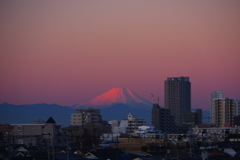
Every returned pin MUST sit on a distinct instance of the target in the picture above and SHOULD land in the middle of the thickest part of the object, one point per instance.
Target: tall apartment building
(225, 109)
(213, 96)
(238, 107)
(177, 97)
(83, 116)
(162, 119)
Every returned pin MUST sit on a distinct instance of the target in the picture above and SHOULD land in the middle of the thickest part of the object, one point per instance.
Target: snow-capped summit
(118, 96)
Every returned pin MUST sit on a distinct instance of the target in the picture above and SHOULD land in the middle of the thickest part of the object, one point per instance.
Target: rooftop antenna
(154, 101)
(158, 100)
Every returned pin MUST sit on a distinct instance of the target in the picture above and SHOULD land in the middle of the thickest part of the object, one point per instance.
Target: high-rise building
(225, 109)
(238, 107)
(214, 95)
(177, 97)
(162, 119)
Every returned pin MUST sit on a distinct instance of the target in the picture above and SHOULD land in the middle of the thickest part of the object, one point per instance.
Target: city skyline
(70, 52)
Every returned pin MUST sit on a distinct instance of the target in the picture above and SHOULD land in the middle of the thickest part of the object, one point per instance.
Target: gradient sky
(68, 52)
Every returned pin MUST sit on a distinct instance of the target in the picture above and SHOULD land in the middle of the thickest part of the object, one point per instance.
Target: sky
(68, 52)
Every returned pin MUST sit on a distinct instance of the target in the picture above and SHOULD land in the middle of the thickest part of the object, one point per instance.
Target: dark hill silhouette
(15, 114)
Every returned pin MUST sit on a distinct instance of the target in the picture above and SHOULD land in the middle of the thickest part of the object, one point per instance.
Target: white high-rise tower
(214, 95)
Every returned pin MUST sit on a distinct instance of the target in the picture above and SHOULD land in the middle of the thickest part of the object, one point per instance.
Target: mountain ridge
(114, 104)
(16, 114)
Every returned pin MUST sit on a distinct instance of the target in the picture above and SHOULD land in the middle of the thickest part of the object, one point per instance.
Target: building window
(20, 141)
(19, 128)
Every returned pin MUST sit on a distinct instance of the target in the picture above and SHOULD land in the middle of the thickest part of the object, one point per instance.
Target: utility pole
(237, 134)
(81, 141)
(68, 136)
(117, 145)
(12, 145)
(165, 144)
(53, 152)
(31, 144)
(67, 148)
(49, 146)
(8, 140)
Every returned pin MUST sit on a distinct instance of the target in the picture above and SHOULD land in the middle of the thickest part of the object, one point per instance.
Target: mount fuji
(118, 96)
(116, 103)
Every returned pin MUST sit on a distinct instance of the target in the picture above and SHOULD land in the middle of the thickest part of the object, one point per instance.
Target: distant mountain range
(16, 114)
(115, 104)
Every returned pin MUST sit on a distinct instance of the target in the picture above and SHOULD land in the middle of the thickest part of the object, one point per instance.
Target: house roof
(90, 156)
(50, 120)
(22, 149)
(104, 153)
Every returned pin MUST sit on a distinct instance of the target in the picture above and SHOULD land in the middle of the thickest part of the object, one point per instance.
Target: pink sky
(68, 52)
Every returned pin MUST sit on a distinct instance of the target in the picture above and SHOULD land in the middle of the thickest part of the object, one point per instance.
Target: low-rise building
(134, 123)
(35, 133)
(129, 125)
(215, 134)
(5, 128)
(82, 136)
(83, 116)
(193, 117)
